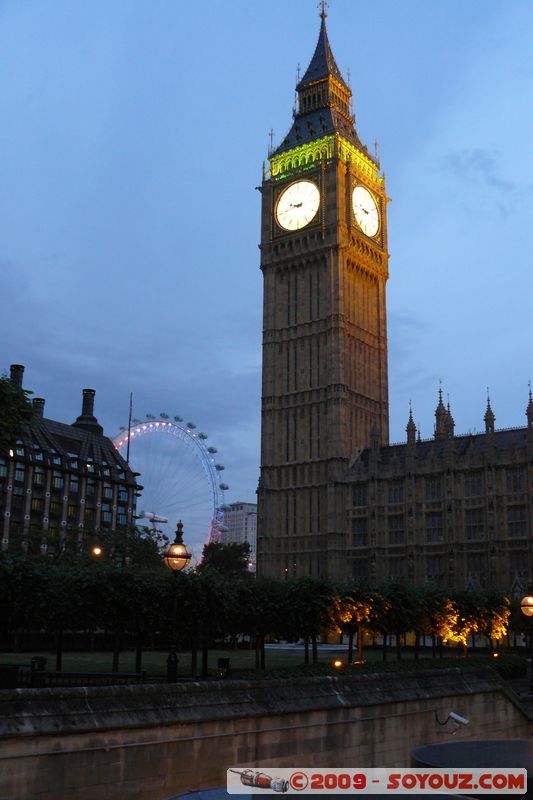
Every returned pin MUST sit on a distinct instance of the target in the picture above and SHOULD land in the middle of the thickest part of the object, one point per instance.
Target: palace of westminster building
(334, 498)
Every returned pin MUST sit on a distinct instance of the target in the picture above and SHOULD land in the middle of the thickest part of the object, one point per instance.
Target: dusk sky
(132, 136)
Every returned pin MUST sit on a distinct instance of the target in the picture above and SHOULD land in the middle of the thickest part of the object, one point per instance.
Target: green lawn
(154, 662)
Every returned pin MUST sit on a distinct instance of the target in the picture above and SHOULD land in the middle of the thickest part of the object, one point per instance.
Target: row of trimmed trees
(88, 596)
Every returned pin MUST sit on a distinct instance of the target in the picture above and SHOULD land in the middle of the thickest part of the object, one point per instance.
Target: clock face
(365, 211)
(297, 205)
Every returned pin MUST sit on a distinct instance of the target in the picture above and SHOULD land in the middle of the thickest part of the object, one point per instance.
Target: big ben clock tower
(325, 265)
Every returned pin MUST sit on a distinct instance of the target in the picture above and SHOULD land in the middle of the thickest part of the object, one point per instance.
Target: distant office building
(60, 482)
(240, 519)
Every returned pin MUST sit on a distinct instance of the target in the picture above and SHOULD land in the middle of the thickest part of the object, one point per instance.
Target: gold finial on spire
(323, 6)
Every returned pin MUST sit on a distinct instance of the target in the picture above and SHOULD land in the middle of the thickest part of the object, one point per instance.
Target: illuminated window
(19, 472)
(38, 476)
(37, 504)
(108, 491)
(57, 480)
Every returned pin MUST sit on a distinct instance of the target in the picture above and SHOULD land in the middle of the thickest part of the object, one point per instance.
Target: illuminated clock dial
(297, 205)
(365, 211)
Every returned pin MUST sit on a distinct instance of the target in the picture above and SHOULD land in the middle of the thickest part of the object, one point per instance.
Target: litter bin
(38, 663)
(37, 666)
(223, 667)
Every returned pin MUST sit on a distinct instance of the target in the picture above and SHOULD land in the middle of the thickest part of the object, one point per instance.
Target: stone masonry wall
(150, 742)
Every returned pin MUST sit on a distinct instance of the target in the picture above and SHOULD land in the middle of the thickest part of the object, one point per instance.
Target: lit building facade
(60, 482)
(334, 498)
(240, 521)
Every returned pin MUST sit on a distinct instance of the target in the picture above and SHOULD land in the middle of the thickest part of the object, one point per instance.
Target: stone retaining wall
(149, 742)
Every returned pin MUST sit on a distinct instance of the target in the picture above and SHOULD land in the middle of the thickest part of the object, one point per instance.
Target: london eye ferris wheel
(180, 475)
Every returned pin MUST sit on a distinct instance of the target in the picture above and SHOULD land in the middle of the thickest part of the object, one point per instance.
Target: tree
(227, 559)
(467, 604)
(399, 613)
(493, 617)
(438, 615)
(15, 412)
(310, 605)
(357, 604)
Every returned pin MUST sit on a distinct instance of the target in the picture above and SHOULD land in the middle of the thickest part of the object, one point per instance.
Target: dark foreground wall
(152, 741)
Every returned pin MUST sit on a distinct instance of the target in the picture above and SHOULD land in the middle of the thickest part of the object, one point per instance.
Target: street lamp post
(526, 607)
(176, 557)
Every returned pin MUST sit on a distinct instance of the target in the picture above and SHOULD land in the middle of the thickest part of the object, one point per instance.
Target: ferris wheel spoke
(178, 477)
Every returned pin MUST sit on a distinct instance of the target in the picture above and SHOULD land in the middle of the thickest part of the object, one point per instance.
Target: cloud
(479, 165)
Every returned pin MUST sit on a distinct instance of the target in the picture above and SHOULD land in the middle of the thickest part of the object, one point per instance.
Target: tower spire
(324, 99)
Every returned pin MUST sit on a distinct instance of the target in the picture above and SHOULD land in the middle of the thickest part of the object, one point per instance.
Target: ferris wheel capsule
(191, 425)
(202, 436)
(163, 415)
(178, 419)
(212, 450)
(219, 467)
(224, 487)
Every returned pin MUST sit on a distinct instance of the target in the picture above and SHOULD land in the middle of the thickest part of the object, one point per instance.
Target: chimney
(87, 409)
(38, 406)
(87, 420)
(16, 375)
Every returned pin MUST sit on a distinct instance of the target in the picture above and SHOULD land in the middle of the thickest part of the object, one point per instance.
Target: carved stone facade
(454, 511)
(438, 511)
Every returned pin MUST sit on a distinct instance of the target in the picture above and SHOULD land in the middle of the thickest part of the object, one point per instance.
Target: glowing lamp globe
(526, 606)
(176, 555)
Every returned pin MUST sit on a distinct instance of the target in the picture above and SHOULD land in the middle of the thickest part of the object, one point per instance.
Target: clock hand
(296, 205)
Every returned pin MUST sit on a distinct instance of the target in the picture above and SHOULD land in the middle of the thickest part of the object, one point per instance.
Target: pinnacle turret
(441, 419)
(411, 427)
(489, 417)
(529, 409)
